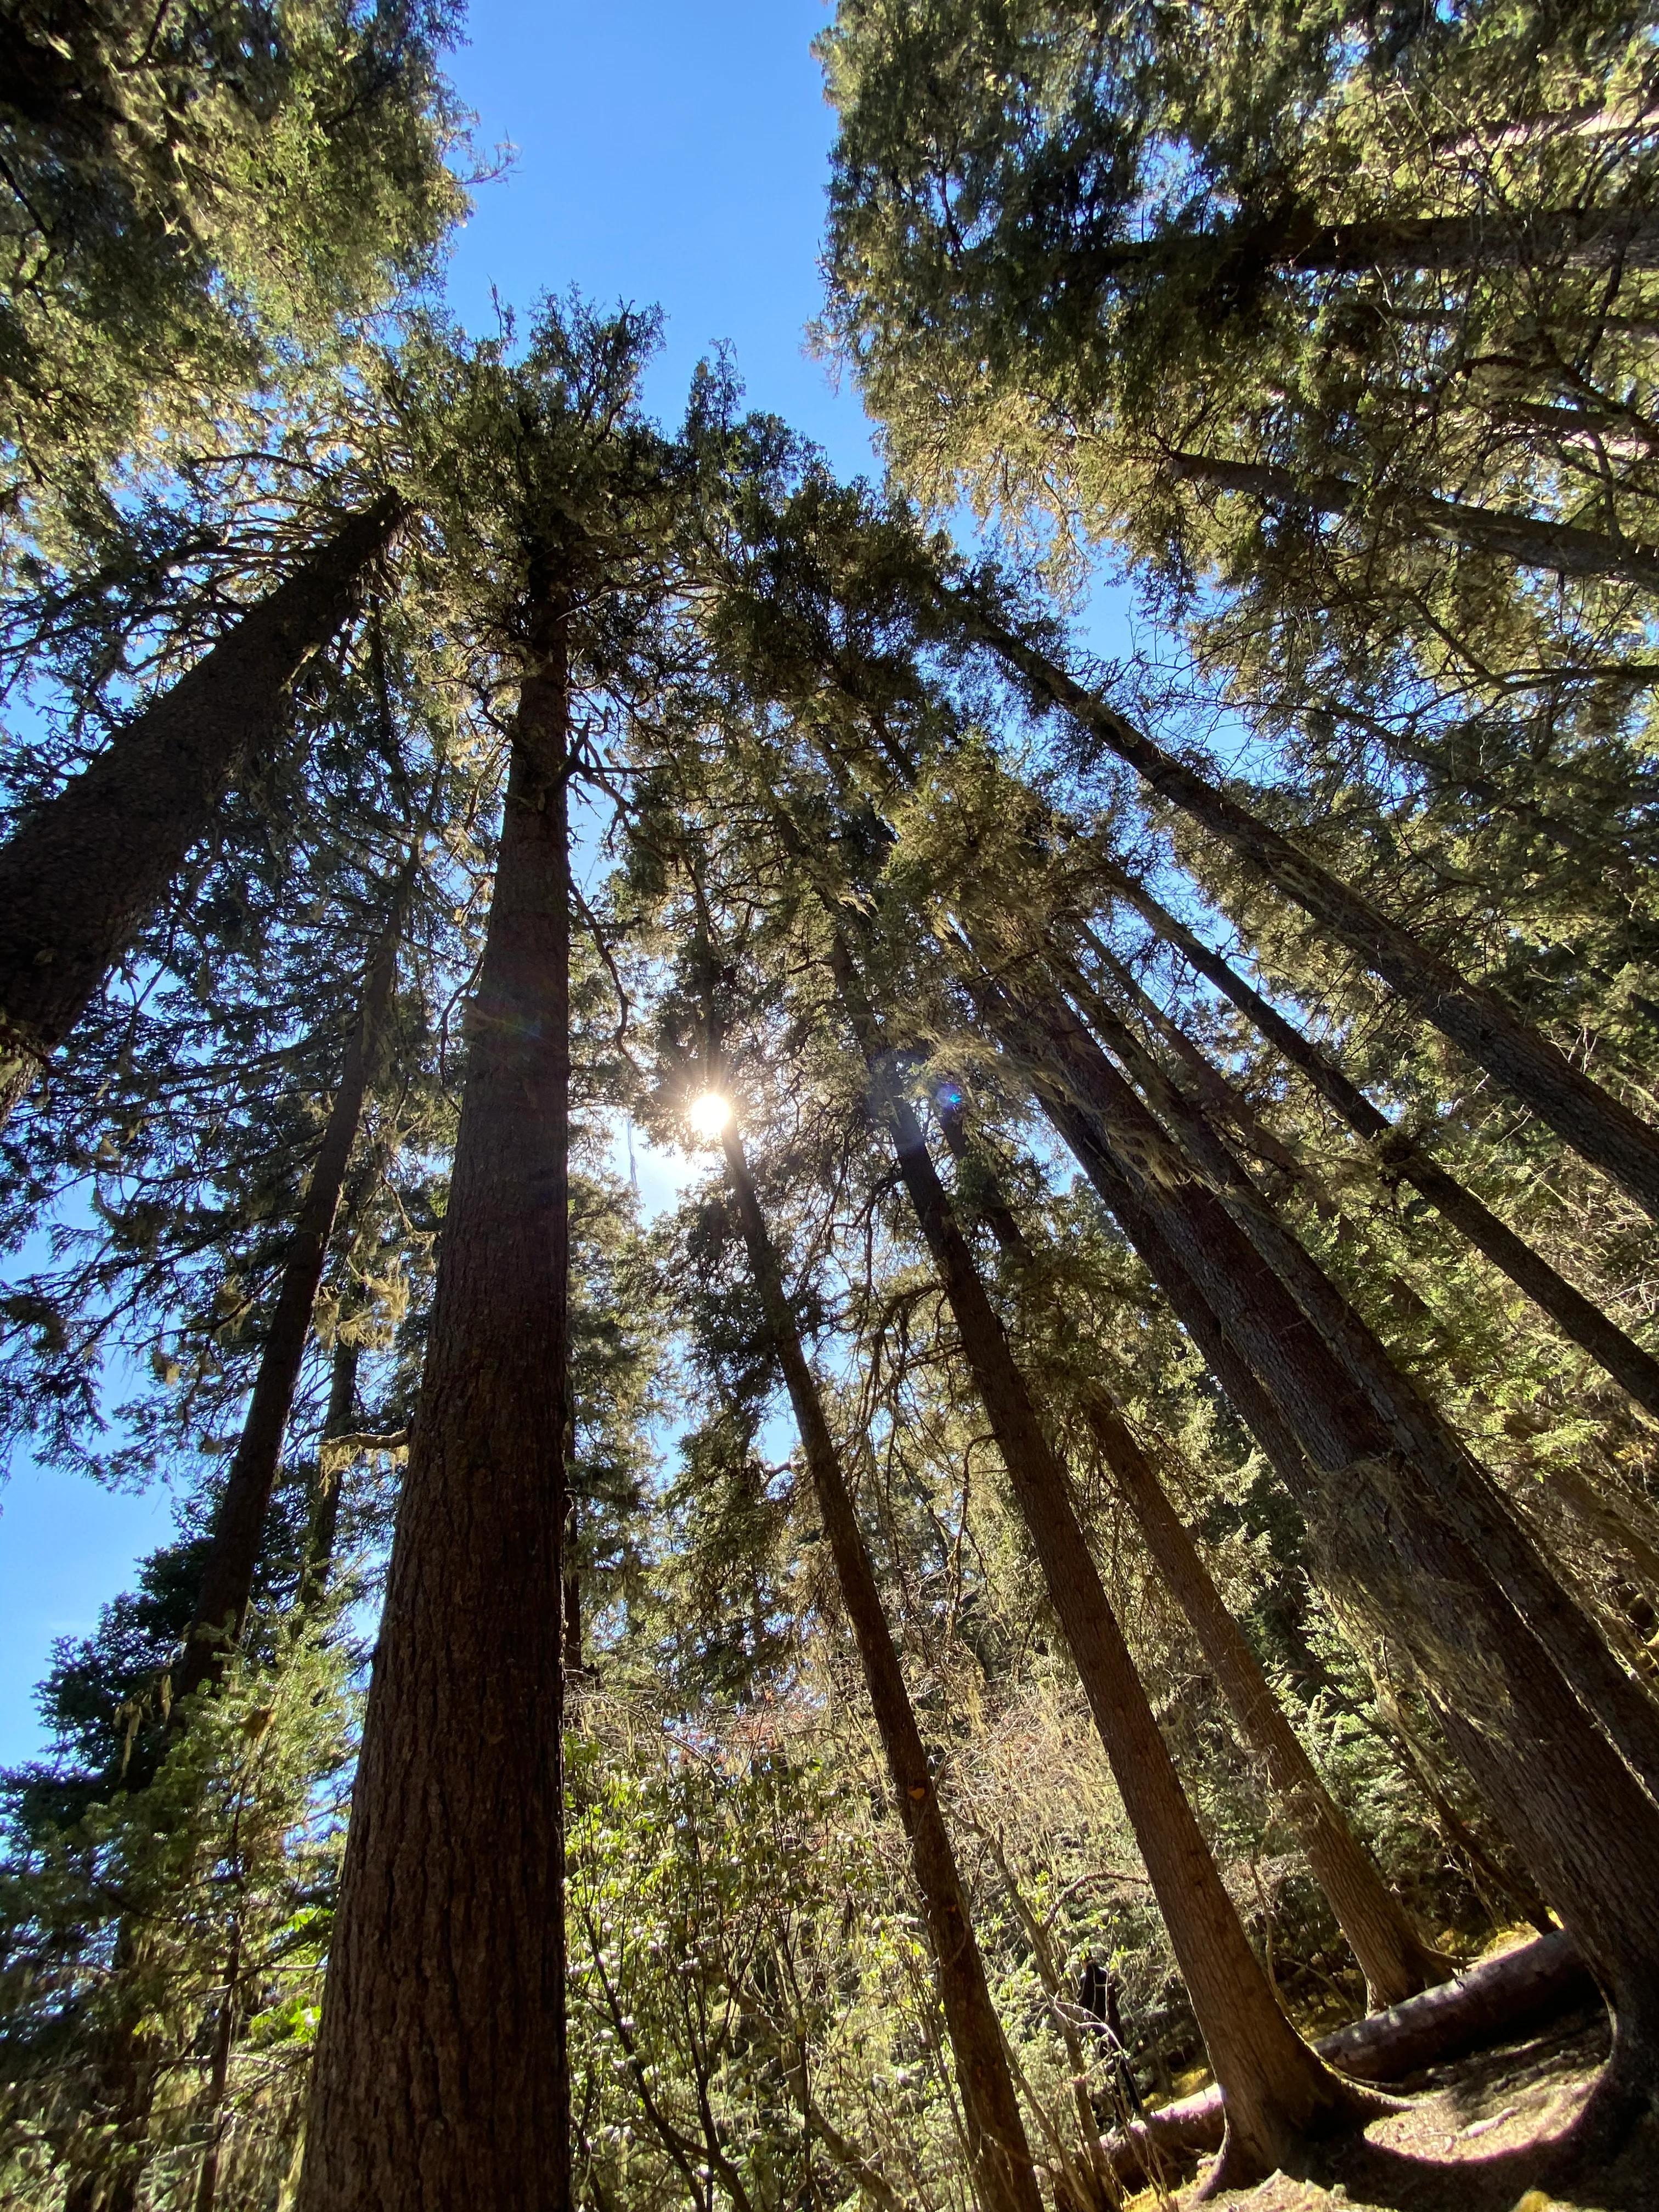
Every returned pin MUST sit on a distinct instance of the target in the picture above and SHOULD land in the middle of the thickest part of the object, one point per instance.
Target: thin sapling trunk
(238, 1525)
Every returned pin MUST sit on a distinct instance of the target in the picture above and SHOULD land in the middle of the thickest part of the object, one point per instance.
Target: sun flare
(709, 1114)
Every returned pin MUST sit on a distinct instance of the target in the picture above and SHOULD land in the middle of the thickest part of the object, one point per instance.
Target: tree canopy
(1092, 1516)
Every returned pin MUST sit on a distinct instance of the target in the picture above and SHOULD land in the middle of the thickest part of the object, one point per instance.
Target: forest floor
(1473, 2136)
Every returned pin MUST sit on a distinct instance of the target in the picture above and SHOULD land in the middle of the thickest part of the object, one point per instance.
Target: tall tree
(1550, 1774)
(441, 2065)
(1474, 1018)
(1395, 1959)
(187, 196)
(84, 870)
(1403, 1157)
(240, 1523)
(1000, 2155)
(1279, 2095)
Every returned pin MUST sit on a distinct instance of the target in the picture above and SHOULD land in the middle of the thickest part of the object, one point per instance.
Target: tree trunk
(224, 2035)
(323, 1521)
(1580, 1112)
(1423, 1570)
(1221, 1096)
(573, 1626)
(1565, 238)
(1412, 1425)
(1278, 2094)
(1567, 1802)
(1396, 1960)
(84, 872)
(997, 2146)
(442, 2076)
(1296, 243)
(1563, 548)
(239, 1526)
(1492, 2002)
(128, 2063)
(1574, 1314)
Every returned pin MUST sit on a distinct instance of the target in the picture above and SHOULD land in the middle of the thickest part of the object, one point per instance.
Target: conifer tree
(998, 2152)
(188, 198)
(1393, 1955)
(441, 2065)
(1278, 2096)
(85, 869)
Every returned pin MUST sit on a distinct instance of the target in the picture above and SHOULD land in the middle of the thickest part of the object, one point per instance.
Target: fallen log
(1501, 1997)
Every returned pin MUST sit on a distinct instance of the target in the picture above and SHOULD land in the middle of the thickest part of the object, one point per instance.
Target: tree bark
(81, 874)
(997, 2146)
(1419, 1568)
(1279, 2095)
(1525, 1987)
(239, 1526)
(323, 1521)
(1297, 244)
(1580, 1112)
(1399, 1156)
(1220, 1095)
(442, 2076)
(1567, 237)
(1411, 1423)
(224, 2035)
(1393, 1956)
(1563, 548)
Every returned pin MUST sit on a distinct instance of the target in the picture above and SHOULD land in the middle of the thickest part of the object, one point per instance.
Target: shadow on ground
(1481, 2134)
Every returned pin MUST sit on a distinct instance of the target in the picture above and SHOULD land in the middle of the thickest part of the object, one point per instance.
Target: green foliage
(1074, 253)
(133, 1927)
(191, 193)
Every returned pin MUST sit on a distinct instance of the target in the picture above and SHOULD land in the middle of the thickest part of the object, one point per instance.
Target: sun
(709, 1114)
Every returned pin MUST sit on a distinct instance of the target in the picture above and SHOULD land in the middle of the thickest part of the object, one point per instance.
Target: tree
(84, 871)
(239, 1522)
(1278, 2094)
(190, 196)
(1393, 1955)
(446, 1974)
(998, 2149)
(220, 1864)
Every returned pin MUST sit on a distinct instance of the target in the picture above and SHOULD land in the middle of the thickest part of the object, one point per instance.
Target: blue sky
(666, 153)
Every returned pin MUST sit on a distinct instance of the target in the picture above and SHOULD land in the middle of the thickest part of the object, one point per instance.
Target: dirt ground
(1472, 2136)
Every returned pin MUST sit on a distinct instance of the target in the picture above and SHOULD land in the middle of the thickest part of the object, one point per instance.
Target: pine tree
(188, 197)
(446, 1974)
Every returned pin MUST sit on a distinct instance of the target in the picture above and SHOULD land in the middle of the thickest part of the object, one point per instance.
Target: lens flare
(708, 1115)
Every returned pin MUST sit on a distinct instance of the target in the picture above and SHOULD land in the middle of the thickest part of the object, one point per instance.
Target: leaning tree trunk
(997, 2143)
(84, 872)
(1393, 1956)
(1278, 2094)
(1220, 1094)
(1399, 1156)
(1296, 243)
(238, 1525)
(442, 2076)
(1413, 1425)
(322, 1522)
(1544, 237)
(1414, 1565)
(1563, 548)
(1580, 1112)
